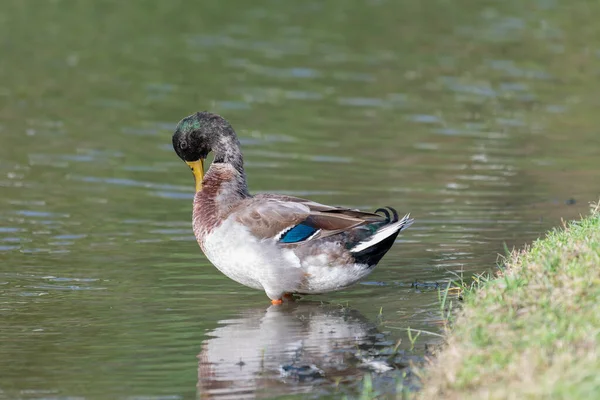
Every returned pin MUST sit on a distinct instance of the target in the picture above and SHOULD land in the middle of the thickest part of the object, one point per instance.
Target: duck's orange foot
(277, 302)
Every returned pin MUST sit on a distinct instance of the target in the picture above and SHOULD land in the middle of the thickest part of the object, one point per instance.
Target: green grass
(534, 330)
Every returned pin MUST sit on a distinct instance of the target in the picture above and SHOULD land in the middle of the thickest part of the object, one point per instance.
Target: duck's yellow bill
(198, 171)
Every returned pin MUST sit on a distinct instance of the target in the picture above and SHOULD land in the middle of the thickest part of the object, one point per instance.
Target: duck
(280, 244)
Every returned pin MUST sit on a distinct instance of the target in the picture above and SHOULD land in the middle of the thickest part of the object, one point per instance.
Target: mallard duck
(281, 244)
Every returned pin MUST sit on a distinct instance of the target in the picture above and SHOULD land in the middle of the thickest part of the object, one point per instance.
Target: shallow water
(478, 118)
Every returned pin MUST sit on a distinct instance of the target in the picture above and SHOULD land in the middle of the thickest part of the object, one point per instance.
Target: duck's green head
(198, 135)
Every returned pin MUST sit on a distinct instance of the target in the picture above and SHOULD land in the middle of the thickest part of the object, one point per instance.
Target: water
(479, 118)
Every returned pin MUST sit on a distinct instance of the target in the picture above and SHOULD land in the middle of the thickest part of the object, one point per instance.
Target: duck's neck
(223, 187)
(227, 169)
(226, 149)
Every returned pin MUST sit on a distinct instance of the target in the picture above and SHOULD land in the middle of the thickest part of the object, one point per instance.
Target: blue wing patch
(298, 233)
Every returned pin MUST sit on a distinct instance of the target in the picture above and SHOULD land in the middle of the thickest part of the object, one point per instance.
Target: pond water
(480, 118)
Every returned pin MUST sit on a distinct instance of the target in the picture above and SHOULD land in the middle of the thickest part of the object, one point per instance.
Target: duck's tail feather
(386, 211)
(370, 250)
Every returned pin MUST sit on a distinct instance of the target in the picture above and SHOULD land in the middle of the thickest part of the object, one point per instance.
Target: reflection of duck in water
(262, 350)
(279, 244)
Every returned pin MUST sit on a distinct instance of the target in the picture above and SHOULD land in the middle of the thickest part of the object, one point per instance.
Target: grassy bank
(532, 332)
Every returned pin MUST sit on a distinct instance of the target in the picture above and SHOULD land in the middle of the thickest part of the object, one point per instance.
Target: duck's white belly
(259, 264)
(323, 278)
(233, 256)
(262, 264)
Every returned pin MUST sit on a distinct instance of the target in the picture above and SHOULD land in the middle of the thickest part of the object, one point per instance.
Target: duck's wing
(291, 221)
(316, 207)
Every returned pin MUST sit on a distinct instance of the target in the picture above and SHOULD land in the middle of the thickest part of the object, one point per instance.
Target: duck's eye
(183, 145)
